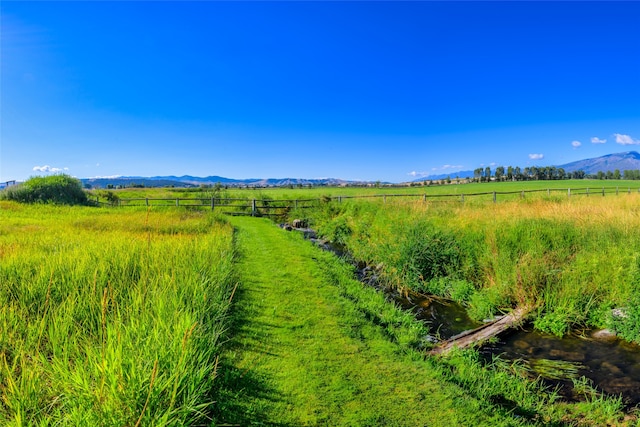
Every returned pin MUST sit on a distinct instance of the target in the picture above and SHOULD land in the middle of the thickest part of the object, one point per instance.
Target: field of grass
(318, 192)
(124, 316)
(111, 317)
(574, 259)
(312, 346)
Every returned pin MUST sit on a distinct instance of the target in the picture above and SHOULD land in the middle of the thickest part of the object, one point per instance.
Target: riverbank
(312, 346)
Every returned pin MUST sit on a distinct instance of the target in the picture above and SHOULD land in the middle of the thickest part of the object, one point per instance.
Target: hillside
(629, 160)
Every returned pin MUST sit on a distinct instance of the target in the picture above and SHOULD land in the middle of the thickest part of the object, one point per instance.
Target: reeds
(573, 258)
(110, 317)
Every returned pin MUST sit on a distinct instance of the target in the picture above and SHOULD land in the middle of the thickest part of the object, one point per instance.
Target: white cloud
(443, 168)
(625, 139)
(47, 168)
(576, 144)
(536, 156)
(447, 167)
(596, 140)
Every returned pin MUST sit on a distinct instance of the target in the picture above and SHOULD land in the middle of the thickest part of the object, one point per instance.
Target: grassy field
(124, 316)
(312, 346)
(318, 192)
(574, 259)
(110, 317)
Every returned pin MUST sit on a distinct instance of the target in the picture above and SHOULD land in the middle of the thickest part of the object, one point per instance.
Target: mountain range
(629, 160)
(194, 181)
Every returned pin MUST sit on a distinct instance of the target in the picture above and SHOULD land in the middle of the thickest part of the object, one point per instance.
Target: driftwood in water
(482, 333)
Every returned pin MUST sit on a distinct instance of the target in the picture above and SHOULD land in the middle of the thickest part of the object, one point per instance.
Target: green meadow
(110, 317)
(573, 259)
(171, 316)
(294, 193)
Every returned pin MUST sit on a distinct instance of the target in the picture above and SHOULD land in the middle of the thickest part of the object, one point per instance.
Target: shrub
(58, 189)
(110, 196)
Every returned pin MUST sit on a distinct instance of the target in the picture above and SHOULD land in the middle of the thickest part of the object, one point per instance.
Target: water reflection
(613, 365)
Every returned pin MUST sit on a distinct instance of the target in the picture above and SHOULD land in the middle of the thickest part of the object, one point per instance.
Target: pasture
(182, 316)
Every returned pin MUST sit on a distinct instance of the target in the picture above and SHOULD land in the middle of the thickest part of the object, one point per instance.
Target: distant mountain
(452, 175)
(194, 181)
(629, 160)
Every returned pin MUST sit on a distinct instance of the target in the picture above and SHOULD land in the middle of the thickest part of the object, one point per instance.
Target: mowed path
(301, 354)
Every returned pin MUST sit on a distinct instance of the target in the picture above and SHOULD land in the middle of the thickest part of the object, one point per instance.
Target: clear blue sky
(352, 90)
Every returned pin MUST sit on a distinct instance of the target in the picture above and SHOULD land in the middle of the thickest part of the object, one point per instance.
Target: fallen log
(484, 332)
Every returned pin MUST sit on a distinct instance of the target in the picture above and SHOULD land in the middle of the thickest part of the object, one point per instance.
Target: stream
(611, 365)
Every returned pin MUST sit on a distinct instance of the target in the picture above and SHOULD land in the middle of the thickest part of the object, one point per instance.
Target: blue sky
(384, 91)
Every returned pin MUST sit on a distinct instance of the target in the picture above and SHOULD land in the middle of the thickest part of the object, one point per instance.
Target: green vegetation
(57, 189)
(416, 189)
(110, 317)
(124, 316)
(315, 347)
(575, 259)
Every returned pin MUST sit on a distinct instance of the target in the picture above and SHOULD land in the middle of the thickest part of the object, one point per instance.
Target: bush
(57, 189)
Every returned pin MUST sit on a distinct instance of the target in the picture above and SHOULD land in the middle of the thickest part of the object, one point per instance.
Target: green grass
(312, 346)
(118, 316)
(110, 317)
(573, 258)
(318, 192)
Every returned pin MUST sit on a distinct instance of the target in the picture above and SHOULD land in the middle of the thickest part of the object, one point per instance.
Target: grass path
(303, 354)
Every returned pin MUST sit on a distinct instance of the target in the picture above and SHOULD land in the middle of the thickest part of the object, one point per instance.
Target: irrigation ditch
(576, 365)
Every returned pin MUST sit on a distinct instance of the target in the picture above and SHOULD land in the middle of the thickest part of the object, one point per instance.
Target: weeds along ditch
(111, 317)
(576, 261)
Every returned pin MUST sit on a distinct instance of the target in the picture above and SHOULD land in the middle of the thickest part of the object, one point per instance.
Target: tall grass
(573, 259)
(110, 317)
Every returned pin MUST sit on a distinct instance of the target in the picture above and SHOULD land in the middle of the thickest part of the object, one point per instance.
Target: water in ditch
(611, 365)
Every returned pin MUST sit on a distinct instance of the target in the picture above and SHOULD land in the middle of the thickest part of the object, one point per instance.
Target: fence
(276, 208)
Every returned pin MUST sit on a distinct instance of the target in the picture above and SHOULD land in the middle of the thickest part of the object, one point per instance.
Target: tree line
(546, 173)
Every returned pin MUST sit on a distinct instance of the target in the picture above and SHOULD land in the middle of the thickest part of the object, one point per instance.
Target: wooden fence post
(494, 197)
(548, 192)
(462, 197)
(253, 207)
(177, 201)
(568, 193)
(213, 203)
(146, 201)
